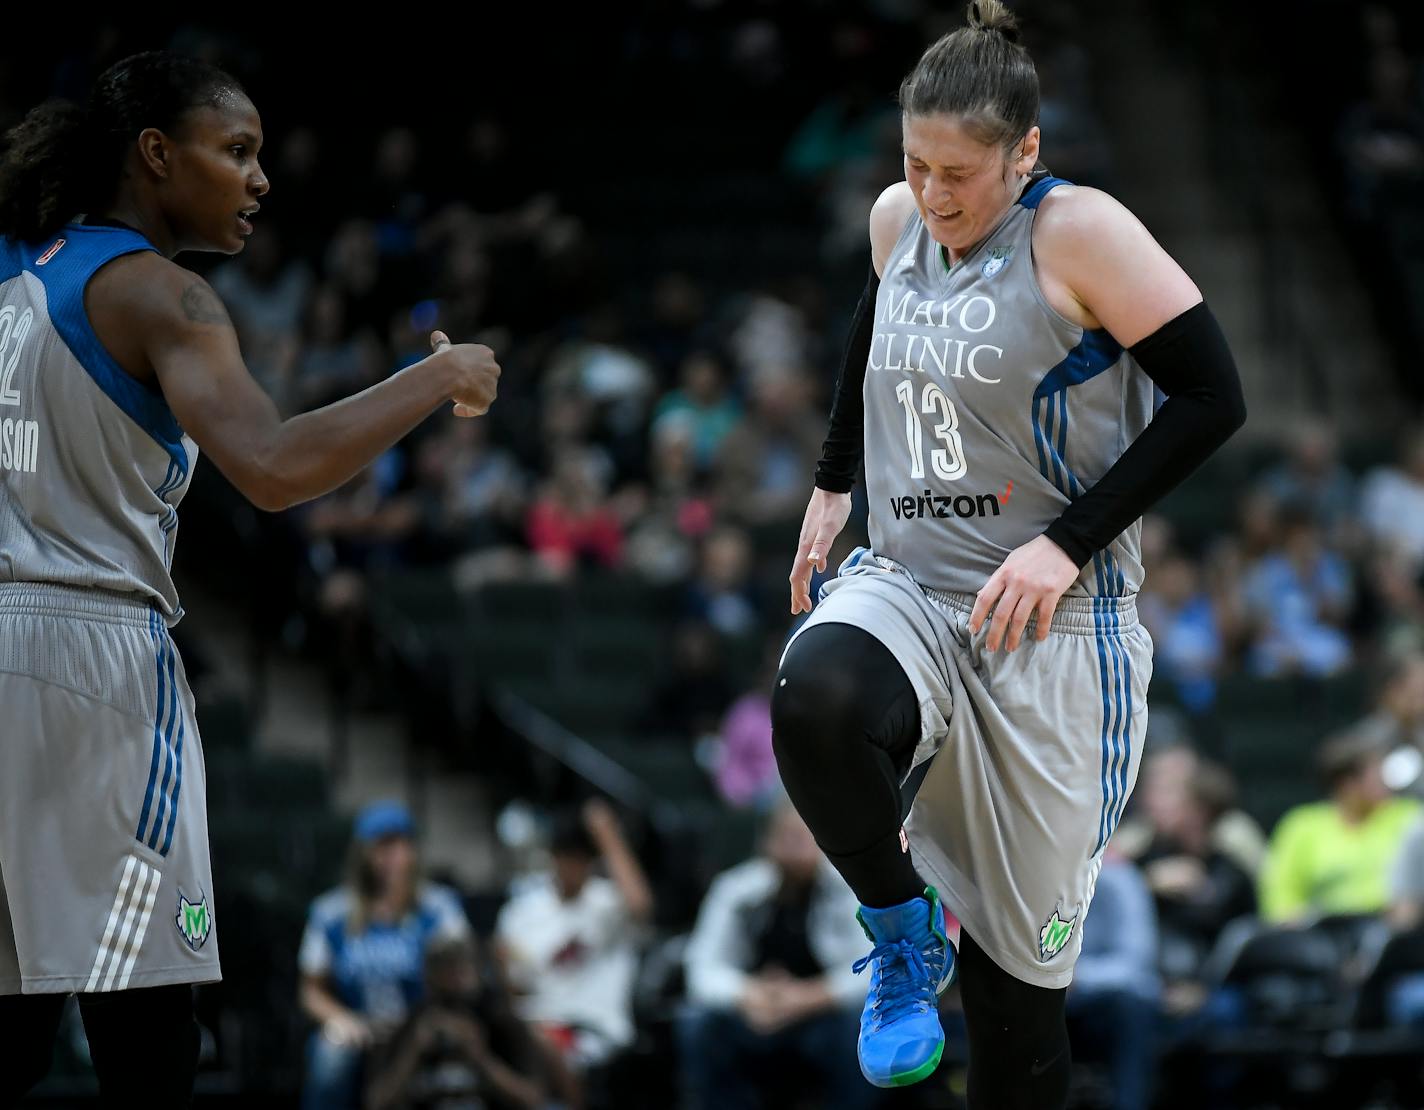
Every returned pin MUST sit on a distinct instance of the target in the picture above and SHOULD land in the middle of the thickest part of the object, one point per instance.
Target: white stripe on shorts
(136, 895)
(119, 899)
(142, 928)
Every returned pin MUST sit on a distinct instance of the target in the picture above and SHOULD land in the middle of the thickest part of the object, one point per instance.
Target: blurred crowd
(1323, 573)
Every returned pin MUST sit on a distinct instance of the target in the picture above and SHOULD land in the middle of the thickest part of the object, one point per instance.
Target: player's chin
(230, 243)
(952, 238)
(232, 239)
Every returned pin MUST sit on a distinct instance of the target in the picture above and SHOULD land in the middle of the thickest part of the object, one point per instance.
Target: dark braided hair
(64, 158)
(980, 73)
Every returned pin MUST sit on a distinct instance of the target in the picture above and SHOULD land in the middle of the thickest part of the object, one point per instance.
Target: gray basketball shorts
(105, 882)
(1034, 754)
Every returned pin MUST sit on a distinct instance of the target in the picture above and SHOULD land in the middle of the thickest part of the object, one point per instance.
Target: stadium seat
(1372, 1054)
(1402, 955)
(1359, 939)
(1288, 976)
(419, 595)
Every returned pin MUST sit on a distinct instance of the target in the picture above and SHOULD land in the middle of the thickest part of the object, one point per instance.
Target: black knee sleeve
(845, 722)
(838, 682)
(1018, 1038)
(144, 1044)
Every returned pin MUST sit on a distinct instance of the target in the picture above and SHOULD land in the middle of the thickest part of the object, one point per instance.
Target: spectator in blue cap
(362, 955)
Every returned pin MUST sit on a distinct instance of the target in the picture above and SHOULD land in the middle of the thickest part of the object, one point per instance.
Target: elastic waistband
(49, 599)
(1082, 615)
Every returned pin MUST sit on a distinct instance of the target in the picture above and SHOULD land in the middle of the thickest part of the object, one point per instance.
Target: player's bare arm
(165, 324)
(888, 216)
(1099, 267)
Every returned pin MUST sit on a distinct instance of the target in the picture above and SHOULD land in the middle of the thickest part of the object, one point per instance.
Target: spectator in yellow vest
(1335, 856)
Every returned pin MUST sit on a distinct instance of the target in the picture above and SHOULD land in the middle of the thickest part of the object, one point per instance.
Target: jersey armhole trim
(1035, 193)
(144, 407)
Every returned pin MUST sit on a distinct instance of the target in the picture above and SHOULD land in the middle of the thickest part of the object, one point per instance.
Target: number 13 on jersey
(947, 461)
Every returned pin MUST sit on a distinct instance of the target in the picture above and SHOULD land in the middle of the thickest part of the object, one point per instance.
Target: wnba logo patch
(997, 260)
(53, 250)
(194, 921)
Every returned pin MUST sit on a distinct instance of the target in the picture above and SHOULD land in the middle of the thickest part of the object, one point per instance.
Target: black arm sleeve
(1188, 359)
(840, 455)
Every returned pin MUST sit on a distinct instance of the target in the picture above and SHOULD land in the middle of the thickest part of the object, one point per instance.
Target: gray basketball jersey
(92, 461)
(986, 412)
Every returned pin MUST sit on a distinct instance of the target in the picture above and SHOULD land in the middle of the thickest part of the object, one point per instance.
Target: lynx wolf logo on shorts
(998, 258)
(1054, 935)
(194, 921)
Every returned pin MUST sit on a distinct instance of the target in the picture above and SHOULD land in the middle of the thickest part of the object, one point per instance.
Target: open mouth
(244, 219)
(945, 216)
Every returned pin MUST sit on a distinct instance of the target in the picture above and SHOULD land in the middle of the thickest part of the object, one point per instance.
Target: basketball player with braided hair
(116, 366)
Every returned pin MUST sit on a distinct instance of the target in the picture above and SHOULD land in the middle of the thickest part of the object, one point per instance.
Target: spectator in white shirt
(569, 938)
(769, 983)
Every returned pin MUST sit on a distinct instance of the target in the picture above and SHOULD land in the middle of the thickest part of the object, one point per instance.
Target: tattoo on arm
(201, 305)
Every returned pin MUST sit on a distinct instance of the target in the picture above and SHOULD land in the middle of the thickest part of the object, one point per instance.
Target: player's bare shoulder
(138, 297)
(152, 289)
(1100, 267)
(888, 216)
(1070, 216)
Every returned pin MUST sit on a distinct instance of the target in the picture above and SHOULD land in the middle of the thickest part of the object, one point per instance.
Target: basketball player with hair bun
(1000, 384)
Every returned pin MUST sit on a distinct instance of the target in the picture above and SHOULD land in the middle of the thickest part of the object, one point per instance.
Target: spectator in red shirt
(572, 522)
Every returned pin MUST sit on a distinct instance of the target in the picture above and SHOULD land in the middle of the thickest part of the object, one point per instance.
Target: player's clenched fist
(474, 374)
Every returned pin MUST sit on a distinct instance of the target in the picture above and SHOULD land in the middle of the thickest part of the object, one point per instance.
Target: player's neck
(145, 217)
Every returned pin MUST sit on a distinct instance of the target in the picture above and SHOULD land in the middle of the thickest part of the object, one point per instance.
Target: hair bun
(992, 15)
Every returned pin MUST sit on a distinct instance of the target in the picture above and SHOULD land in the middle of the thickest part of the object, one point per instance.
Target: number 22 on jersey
(13, 331)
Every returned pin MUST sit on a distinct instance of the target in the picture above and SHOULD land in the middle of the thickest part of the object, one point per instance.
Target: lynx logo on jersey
(1054, 935)
(194, 921)
(997, 260)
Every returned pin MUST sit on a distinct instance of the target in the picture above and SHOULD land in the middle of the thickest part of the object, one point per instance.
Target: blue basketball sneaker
(901, 1040)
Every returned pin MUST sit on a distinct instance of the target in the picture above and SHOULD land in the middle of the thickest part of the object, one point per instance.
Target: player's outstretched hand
(1031, 580)
(825, 516)
(475, 370)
